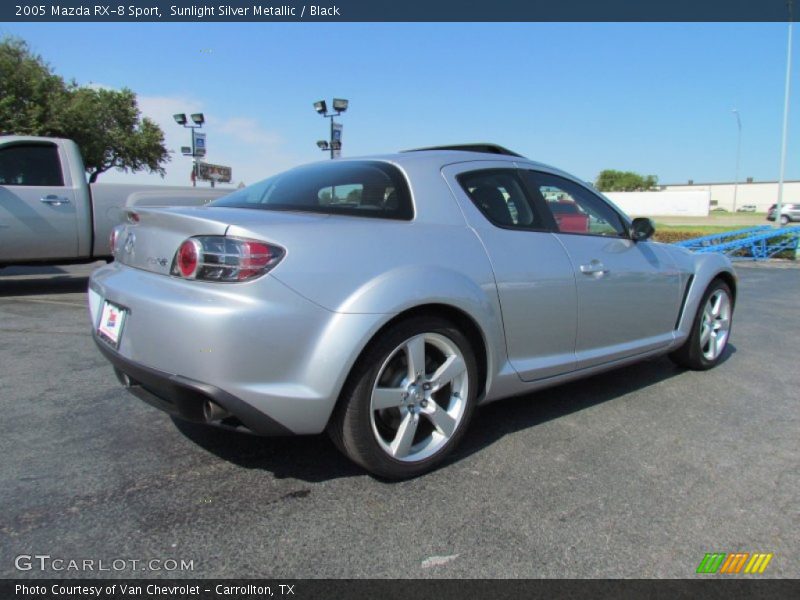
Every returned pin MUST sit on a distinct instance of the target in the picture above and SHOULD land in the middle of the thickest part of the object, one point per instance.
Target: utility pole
(738, 156)
(779, 204)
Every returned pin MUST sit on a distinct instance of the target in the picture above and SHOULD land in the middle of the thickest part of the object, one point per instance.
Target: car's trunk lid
(151, 236)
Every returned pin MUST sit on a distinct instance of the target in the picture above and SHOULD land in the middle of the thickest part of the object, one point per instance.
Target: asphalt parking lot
(634, 473)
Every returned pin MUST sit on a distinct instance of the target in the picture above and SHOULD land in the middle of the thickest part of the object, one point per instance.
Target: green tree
(111, 133)
(106, 124)
(32, 97)
(610, 180)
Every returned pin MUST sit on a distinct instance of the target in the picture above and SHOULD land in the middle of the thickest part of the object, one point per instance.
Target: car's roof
(435, 158)
(440, 158)
(437, 155)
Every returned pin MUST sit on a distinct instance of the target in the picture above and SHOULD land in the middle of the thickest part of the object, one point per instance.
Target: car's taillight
(225, 259)
(187, 258)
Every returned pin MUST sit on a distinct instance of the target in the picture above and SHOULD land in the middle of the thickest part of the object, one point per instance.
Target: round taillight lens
(187, 258)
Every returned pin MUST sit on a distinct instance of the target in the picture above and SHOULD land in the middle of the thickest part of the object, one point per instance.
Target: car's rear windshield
(365, 188)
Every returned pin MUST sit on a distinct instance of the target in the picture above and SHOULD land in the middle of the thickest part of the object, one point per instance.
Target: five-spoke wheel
(711, 329)
(409, 398)
(715, 324)
(419, 397)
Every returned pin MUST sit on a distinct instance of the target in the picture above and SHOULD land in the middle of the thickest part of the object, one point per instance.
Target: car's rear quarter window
(358, 188)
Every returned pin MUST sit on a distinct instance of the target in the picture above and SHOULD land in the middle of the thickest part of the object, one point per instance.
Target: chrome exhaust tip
(214, 412)
(123, 379)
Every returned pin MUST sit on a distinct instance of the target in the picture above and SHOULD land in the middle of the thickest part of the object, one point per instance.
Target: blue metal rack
(754, 243)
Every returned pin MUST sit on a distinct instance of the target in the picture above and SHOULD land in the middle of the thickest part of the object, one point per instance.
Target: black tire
(691, 355)
(354, 427)
(784, 220)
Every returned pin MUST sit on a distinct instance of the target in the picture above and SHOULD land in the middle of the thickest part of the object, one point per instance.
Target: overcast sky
(651, 98)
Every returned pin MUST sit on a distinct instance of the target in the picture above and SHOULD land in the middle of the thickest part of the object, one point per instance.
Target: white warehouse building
(666, 203)
(761, 194)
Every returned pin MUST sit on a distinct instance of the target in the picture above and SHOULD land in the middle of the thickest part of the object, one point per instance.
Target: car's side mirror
(642, 229)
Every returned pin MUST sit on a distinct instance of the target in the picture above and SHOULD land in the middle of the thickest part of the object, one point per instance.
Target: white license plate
(112, 318)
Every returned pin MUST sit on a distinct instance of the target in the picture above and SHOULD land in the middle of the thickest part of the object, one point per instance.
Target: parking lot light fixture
(197, 120)
(334, 145)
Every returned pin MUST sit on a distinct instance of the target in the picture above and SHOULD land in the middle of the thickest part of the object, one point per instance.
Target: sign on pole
(199, 143)
(336, 139)
(217, 173)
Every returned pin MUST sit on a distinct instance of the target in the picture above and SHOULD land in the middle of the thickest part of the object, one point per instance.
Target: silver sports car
(382, 299)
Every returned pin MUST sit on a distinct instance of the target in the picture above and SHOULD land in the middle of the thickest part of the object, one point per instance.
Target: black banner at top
(163, 11)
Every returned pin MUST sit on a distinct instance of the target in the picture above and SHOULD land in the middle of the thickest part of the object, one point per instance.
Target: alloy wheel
(715, 324)
(419, 397)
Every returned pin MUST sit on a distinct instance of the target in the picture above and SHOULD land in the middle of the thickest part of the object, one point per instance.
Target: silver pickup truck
(50, 214)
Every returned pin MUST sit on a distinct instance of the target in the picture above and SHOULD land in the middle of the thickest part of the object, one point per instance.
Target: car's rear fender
(439, 291)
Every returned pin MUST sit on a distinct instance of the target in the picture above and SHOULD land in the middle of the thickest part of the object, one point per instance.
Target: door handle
(54, 200)
(595, 268)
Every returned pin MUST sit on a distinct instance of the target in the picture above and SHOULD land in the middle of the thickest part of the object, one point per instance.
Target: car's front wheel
(711, 329)
(784, 220)
(408, 400)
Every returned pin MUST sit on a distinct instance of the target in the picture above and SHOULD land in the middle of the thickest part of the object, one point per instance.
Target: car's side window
(30, 164)
(500, 195)
(575, 209)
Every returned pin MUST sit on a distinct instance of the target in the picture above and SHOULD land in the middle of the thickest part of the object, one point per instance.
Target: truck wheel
(408, 400)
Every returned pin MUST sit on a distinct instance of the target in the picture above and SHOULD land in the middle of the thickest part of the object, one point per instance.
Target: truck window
(31, 164)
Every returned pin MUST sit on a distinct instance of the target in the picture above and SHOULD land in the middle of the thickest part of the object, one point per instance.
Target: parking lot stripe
(42, 301)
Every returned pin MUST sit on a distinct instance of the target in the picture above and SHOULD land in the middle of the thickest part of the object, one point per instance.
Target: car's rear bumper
(260, 342)
(186, 398)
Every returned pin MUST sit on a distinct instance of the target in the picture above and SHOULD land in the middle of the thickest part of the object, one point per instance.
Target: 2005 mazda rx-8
(383, 298)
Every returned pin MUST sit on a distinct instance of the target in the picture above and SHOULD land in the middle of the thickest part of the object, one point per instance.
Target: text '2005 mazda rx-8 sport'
(383, 298)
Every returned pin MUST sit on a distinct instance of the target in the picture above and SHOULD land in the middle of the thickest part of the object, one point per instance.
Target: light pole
(334, 145)
(197, 122)
(738, 156)
(779, 204)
